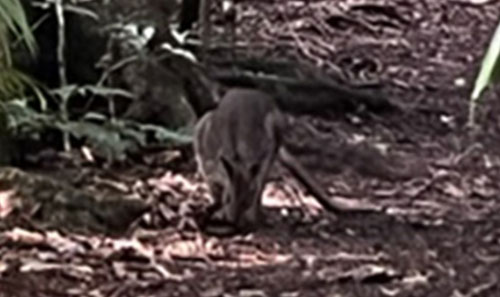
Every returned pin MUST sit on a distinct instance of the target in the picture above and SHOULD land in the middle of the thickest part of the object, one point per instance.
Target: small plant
(13, 28)
(489, 73)
(14, 32)
(106, 135)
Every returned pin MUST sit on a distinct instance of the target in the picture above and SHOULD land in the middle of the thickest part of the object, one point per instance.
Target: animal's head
(243, 187)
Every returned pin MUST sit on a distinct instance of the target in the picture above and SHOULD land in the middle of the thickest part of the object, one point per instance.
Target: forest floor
(439, 234)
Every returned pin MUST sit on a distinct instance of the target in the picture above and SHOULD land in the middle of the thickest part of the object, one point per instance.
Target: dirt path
(439, 235)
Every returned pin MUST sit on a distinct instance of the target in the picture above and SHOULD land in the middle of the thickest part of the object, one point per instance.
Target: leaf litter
(436, 236)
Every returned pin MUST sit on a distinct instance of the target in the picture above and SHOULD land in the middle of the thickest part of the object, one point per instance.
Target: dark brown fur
(236, 145)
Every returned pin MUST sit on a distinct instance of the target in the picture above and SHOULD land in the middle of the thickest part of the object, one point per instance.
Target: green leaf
(488, 73)
(105, 140)
(14, 83)
(165, 135)
(23, 119)
(65, 92)
(490, 67)
(95, 116)
(13, 18)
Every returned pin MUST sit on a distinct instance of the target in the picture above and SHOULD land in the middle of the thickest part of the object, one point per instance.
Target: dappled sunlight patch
(171, 182)
(248, 256)
(6, 203)
(193, 248)
(237, 252)
(289, 196)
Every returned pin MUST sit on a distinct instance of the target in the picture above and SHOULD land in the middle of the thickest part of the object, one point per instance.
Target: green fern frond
(13, 19)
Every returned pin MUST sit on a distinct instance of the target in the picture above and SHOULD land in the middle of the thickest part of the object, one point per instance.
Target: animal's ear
(228, 166)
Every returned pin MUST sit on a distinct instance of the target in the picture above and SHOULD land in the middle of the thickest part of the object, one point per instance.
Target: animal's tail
(334, 204)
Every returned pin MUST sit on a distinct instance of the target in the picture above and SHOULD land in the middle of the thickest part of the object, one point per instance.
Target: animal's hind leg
(217, 220)
(253, 214)
(274, 125)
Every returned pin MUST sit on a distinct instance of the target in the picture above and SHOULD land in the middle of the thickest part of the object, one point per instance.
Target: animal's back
(243, 118)
(240, 128)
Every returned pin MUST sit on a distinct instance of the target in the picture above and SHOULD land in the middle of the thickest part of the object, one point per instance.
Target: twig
(61, 64)
(206, 28)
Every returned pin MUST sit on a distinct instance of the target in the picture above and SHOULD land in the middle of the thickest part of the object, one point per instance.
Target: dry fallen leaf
(186, 249)
(252, 293)
(132, 245)
(361, 273)
(171, 182)
(453, 191)
(20, 235)
(474, 2)
(6, 203)
(36, 266)
(63, 244)
(120, 269)
(3, 267)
